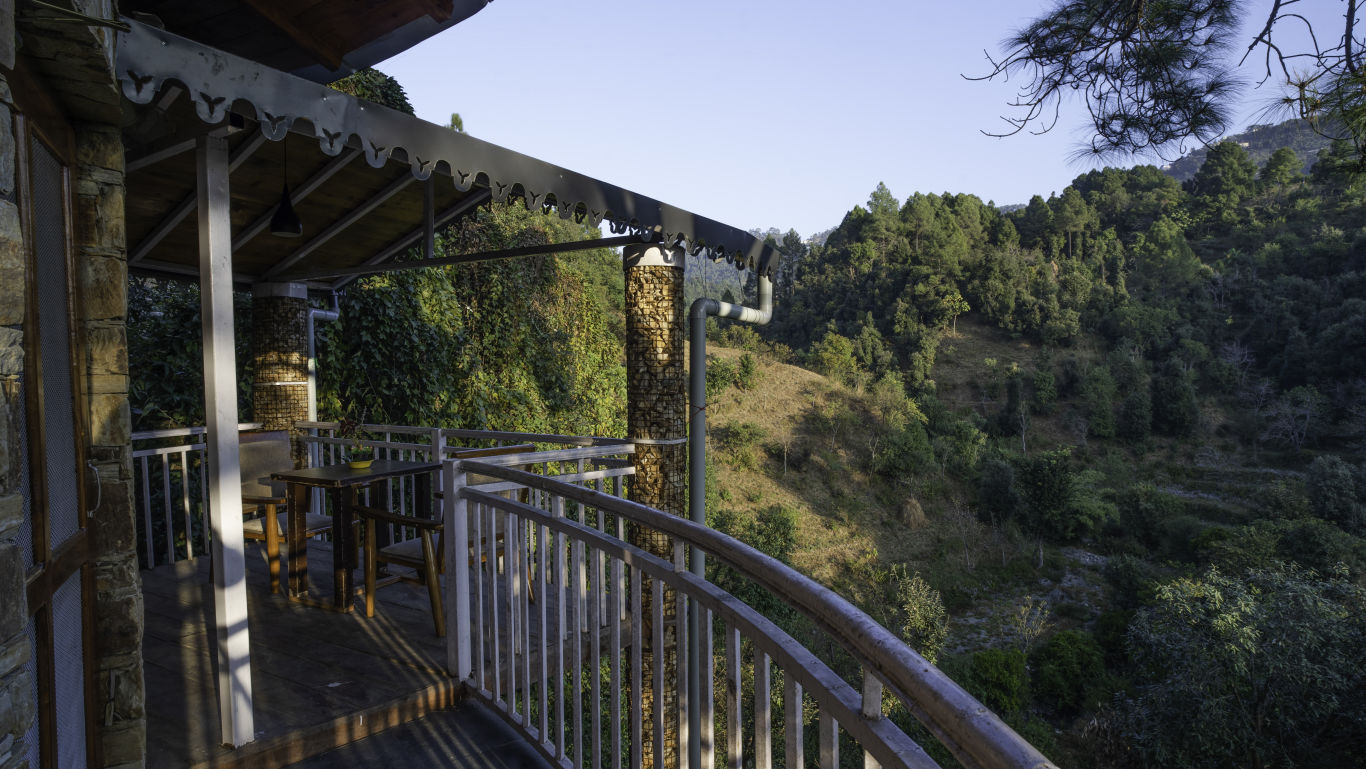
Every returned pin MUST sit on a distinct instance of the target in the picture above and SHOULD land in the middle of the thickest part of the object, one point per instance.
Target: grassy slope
(854, 524)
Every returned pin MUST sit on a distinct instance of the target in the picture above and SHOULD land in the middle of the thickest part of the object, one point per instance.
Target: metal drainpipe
(316, 314)
(697, 473)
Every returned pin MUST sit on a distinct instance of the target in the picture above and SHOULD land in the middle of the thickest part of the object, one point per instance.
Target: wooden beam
(224, 500)
(480, 256)
(187, 205)
(474, 200)
(340, 225)
(295, 196)
(279, 16)
(155, 156)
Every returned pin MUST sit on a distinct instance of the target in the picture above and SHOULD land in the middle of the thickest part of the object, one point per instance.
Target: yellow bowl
(359, 464)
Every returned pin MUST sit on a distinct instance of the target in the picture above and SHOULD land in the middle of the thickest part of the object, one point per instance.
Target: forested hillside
(1123, 451)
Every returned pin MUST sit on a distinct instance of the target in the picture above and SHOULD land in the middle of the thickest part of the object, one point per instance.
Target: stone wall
(101, 263)
(657, 403)
(16, 709)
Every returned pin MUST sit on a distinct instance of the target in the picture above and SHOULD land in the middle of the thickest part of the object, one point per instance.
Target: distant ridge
(1260, 141)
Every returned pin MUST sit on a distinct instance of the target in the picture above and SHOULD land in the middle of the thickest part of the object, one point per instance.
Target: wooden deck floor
(319, 678)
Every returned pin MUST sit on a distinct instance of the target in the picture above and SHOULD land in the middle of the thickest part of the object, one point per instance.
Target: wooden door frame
(38, 119)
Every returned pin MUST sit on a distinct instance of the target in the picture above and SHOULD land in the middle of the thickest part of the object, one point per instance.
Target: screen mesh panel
(54, 335)
(70, 666)
(31, 670)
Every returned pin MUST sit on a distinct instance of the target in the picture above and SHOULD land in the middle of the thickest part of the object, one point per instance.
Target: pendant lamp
(284, 222)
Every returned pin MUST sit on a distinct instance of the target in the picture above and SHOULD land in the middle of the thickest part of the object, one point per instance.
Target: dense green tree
(515, 345)
(1258, 670)
(1067, 673)
(1335, 492)
(1283, 167)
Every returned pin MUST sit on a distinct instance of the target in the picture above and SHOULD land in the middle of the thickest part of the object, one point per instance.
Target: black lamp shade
(285, 223)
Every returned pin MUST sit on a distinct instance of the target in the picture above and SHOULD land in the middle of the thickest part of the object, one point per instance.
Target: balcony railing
(550, 606)
(170, 485)
(560, 667)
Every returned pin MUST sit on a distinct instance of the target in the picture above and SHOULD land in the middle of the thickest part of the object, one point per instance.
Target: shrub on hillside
(997, 677)
(905, 453)
(720, 375)
(1068, 673)
(747, 372)
(1143, 509)
(924, 623)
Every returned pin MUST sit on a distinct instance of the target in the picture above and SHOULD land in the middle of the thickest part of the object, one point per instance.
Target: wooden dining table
(342, 483)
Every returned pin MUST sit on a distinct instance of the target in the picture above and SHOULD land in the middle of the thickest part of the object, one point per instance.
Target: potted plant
(359, 456)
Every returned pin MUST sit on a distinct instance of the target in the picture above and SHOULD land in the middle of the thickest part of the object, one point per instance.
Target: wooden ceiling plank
(272, 10)
(341, 224)
(187, 205)
(296, 196)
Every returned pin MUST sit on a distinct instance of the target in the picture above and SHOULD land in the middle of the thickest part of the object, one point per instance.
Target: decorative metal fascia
(220, 82)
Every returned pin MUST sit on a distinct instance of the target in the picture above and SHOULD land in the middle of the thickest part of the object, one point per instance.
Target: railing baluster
(601, 567)
(681, 654)
(614, 627)
(204, 496)
(166, 508)
(185, 503)
(511, 580)
(708, 736)
(578, 650)
(147, 514)
(637, 686)
(561, 629)
(544, 630)
(657, 627)
(734, 678)
(477, 540)
(872, 710)
(830, 742)
(763, 716)
(792, 709)
(524, 607)
(595, 654)
(495, 638)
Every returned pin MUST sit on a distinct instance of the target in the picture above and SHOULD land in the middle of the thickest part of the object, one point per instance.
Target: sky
(756, 113)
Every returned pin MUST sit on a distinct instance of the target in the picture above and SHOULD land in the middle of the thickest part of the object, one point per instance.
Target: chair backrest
(262, 453)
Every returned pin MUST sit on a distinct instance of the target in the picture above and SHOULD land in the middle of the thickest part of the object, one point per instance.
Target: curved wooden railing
(527, 659)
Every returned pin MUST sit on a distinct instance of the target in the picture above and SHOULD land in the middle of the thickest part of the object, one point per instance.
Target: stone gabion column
(657, 409)
(279, 351)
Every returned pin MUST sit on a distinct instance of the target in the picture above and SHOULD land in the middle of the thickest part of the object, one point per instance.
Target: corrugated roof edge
(218, 82)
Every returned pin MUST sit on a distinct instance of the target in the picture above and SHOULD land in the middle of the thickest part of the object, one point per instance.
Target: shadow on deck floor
(320, 679)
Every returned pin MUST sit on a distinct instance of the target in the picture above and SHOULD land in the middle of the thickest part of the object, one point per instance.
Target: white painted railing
(169, 488)
(170, 485)
(553, 640)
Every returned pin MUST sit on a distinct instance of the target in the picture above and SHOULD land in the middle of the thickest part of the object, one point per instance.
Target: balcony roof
(321, 40)
(360, 173)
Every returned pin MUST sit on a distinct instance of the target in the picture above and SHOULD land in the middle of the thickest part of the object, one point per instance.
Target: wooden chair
(262, 453)
(424, 554)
